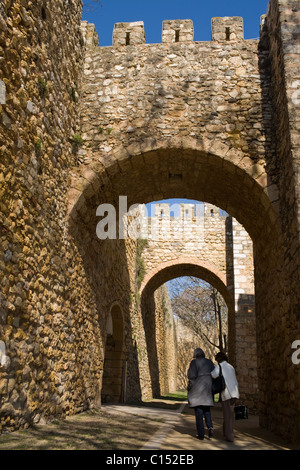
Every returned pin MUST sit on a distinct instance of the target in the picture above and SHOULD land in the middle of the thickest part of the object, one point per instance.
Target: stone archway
(242, 347)
(149, 291)
(186, 267)
(114, 375)
(214, 121)
(187, 168)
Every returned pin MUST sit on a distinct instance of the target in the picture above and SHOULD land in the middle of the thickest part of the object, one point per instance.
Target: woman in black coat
(200, 395)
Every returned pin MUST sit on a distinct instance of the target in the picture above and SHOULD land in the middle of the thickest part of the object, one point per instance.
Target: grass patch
(178, 395)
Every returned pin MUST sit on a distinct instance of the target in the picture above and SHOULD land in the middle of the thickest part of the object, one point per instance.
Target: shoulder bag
(218, 384)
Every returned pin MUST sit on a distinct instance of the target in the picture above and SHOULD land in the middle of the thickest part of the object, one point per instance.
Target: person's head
(220, 357)
(198, 353)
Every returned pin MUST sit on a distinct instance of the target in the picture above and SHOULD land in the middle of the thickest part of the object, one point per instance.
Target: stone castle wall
(54, 306)
(173, 89)
(200, 234)
(81, 125)
(245, 346)
(51, 323)
(281, 39)
(47, 307)
(212, 121)
(166, 372)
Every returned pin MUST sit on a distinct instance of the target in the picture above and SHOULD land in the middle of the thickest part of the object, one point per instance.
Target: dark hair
(198, 353)
(220, 357)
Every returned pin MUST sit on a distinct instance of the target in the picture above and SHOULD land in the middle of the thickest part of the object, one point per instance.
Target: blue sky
(153, 12)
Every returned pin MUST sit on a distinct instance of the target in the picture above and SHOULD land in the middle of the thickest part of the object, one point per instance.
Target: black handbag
(240, 412)
(218, 384)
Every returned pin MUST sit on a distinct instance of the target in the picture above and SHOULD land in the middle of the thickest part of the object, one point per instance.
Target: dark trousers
(228, 417)
(202, 413)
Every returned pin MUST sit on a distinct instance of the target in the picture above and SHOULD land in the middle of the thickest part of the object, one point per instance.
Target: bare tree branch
(91, 5)
(200, 308)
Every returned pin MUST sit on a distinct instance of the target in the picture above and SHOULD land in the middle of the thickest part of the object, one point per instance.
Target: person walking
(229, 395)
(200, 395)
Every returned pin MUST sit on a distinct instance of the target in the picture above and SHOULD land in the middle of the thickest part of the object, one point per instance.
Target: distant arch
(186, 267)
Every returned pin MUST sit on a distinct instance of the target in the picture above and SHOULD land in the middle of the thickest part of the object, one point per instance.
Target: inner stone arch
(186, 267)
(150, 291)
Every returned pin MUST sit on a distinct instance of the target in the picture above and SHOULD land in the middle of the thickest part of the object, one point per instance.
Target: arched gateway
(192, 120)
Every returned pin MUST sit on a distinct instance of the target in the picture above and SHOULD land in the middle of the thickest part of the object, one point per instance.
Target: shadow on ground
(162, 423)
(248, 435)
(93, 430)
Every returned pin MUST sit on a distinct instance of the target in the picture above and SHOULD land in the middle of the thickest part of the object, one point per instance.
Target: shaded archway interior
(148, 306)
(168, 173)
(113, 382)
(186, 174)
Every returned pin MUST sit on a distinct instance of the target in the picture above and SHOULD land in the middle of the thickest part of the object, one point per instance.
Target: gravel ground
(165, 424)
(93, 430)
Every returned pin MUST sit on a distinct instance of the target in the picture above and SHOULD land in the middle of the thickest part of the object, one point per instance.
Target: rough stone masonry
(81, 125)
(200, 241)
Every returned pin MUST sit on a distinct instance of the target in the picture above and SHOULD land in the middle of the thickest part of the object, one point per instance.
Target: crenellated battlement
(177, 31)
(177, 221)
(129, 34)
(227, 29)
(184, 211)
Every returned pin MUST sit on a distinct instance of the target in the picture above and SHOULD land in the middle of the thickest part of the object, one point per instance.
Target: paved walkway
(158, 425)
(178, 432)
